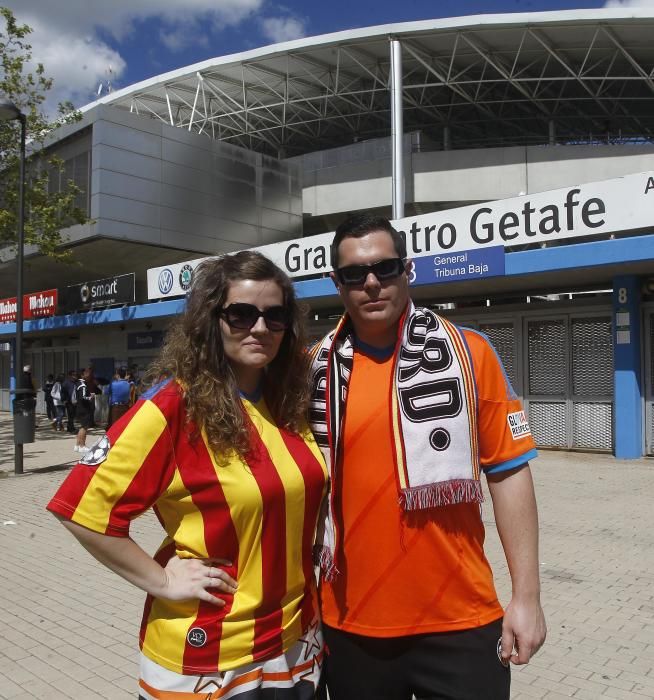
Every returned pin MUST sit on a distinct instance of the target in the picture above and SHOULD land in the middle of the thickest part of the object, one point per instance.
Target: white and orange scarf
(432, 414)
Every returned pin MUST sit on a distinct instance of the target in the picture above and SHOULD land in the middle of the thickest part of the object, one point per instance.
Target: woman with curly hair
(219, 448)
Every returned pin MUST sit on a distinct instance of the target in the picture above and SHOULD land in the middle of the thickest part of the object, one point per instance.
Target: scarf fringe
(324, 560)
(444, 493)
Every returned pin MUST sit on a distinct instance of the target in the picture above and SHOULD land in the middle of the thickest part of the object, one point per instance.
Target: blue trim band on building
(101, 316)
(572, 257)
(627, 401)
(567, 257)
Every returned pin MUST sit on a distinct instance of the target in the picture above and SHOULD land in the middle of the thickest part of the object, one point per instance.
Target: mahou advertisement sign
(35, 305)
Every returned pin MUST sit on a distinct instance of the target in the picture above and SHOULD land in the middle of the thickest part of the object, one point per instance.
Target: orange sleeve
(505, 439)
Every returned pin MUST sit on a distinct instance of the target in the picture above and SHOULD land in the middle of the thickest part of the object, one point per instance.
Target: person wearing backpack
(70, 399)
(58, 401)
(84, 409)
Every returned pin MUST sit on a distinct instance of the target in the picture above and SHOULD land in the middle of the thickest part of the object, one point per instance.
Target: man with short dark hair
(408, 410)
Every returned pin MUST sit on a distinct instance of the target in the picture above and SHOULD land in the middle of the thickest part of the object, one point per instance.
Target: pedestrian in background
(27, 382)
(84, 401)
(129, 376)
(70, 399)
(94, 388)
(49, 402)
(119, 396)
(58, 394)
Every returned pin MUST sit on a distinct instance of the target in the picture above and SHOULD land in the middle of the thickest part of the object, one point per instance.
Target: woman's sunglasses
(245, 316)
(351, 275)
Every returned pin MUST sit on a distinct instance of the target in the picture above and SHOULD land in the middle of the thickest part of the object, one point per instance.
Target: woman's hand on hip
(190, 578)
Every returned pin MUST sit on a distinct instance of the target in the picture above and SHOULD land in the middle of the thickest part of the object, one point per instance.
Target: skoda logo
(85, 293)
(165, 281)
(196, 637)
(185, 277)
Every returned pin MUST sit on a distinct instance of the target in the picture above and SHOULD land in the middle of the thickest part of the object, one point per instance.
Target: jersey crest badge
(97, 453)
(518, 425)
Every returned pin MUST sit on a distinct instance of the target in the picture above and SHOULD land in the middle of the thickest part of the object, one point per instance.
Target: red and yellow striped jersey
(258, 512)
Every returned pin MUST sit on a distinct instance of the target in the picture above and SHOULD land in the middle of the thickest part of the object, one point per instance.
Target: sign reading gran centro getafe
(609, 206)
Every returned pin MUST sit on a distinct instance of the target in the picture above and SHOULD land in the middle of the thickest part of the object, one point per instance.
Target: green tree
(48, 207)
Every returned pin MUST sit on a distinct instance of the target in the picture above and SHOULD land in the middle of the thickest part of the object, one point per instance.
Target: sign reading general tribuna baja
(98, 293)
(35, 305)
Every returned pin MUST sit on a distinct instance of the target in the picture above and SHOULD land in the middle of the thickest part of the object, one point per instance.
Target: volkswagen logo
(165, 281)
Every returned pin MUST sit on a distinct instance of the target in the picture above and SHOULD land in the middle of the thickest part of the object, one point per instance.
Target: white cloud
(282, 28)
(67, 41)
(183, 35)
(76, 63)
(117, 16)
(626, 4)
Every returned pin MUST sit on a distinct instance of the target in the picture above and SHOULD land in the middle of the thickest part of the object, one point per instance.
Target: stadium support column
(627, 401)
(397, 129)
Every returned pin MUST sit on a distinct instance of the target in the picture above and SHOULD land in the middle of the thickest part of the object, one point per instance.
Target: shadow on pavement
(54, 468)
(51, 450)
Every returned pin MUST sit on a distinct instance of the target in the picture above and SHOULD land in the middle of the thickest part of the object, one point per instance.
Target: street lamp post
(8, 112)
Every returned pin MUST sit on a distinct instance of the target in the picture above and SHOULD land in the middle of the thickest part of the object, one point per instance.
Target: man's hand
(523, 630)
(516, 517)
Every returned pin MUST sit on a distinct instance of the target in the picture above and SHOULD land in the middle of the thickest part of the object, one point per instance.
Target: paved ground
(68, 628)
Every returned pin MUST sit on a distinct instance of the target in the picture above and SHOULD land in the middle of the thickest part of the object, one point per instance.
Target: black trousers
(462, 665)
(70, 414)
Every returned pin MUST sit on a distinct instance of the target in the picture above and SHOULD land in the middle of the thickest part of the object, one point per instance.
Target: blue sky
(88, 43)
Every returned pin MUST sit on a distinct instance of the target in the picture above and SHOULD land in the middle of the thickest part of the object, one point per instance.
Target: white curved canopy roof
(573, 76)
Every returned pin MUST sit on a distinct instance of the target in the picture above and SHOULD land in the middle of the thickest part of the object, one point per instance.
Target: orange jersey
(259, 513)
(422, 571)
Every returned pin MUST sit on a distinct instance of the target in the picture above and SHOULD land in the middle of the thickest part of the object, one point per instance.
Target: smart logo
(165, 281)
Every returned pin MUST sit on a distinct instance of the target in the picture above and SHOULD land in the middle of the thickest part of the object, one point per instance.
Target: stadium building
(516, 152)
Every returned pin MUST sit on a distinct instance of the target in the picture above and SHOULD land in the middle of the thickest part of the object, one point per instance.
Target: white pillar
(397, 129)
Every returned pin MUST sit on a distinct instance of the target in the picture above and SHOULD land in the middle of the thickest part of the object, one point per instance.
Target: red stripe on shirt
(157, 468)
(314, 482)
(269, 615)
(74, 487)
(199, 476)
(162, 557)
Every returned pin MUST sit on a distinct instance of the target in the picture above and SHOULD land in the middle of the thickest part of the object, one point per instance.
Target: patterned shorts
(293, 675)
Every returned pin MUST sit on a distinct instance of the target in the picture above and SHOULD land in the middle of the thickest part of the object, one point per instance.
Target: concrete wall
(162, 185)
(110, 341)
(461, 175)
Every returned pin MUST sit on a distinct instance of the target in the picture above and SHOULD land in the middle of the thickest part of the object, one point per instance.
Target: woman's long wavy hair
(193, 354)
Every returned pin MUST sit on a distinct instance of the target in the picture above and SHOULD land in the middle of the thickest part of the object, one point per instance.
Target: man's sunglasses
(351, 275)
(245, 316)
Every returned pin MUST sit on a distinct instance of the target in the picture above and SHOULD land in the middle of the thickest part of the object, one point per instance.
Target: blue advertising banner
(462, 265)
